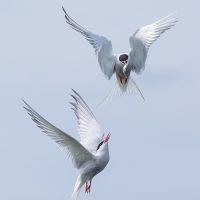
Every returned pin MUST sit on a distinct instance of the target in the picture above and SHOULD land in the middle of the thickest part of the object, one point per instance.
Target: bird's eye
(99, 145)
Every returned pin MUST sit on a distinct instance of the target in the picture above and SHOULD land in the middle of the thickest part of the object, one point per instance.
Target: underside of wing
(74, 149)
(102, 46)
(88, 127)
(143, 38)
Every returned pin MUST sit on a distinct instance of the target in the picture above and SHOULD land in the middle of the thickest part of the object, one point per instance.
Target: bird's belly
(90, 171)
(93, 171)
(119, 70)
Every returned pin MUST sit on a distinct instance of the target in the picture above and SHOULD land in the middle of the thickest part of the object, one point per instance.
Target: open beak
(107, 138)
(125, 62)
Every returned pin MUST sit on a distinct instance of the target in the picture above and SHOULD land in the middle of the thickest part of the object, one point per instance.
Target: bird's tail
(77, 189)
(120, 88)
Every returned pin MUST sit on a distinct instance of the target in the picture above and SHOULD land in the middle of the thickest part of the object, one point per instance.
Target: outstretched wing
(75, 150)
(89, 130)
(102, 46)
(142, 40)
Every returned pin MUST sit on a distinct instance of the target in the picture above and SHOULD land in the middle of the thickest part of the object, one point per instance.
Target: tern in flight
(123, 64)
(91, 155)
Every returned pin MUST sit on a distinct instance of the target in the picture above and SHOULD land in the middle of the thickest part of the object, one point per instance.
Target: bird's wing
(142, 39)
(75, 150)
(88, 127)
(103, 47)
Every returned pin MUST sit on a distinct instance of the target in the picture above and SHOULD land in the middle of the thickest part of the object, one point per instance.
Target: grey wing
(142, 39)
(103, 47)
(75, 150)
(88, 127)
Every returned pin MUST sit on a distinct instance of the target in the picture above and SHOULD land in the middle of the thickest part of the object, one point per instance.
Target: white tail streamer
(119, 89)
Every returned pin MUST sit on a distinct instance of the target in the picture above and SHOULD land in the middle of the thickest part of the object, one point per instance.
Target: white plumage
(91, 155)
(143, 38)
(123, 64)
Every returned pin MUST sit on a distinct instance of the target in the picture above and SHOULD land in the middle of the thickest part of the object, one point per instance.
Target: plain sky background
(155, 145)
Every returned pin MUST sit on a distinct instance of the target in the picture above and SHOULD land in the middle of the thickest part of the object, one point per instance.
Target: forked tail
(119, 89)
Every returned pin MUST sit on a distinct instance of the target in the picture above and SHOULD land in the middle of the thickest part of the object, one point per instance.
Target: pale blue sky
(155, 145)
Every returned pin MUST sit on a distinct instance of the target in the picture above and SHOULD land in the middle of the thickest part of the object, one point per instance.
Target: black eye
(99, 145)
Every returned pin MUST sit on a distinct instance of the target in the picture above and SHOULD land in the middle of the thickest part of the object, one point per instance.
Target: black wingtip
(24, 102)
(73, 90)
(76, 93)
(74, 98)
(64, 10)
(73, 104)
(26, 106)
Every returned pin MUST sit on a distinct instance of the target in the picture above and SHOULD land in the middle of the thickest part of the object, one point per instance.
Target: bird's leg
(88, 186)
(119, 78)
(123, 80)
(126, 80)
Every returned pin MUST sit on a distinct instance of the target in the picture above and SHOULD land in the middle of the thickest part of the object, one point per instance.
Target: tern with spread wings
(91, 155)
(123, 64)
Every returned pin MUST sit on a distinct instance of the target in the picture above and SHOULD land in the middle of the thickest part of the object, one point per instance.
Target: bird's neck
(103, 150)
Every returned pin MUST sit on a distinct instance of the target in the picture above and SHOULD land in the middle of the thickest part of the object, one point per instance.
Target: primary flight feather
(91, 155)
(123, 64)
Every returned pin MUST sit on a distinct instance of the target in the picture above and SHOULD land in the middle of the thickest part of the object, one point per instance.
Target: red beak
(107, 138)
(125, 62)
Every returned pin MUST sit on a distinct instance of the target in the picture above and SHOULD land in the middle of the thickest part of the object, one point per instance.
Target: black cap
(123, 57)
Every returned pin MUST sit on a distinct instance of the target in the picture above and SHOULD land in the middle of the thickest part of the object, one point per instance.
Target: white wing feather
(88, 127)
(103, 47)
(142, 40)
(75, 150)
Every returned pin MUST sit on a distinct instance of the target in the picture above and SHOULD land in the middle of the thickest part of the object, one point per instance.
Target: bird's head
(103, 143)
(123, 58)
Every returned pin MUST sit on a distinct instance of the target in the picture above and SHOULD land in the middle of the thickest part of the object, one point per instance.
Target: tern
(123, 64)
(91, 155)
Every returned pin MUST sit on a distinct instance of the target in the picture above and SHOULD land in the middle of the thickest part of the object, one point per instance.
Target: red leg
(88, 186)
(121, 81)
(126, 80)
